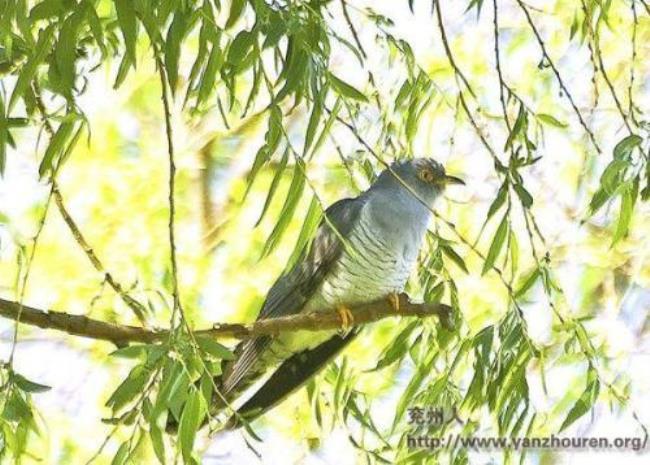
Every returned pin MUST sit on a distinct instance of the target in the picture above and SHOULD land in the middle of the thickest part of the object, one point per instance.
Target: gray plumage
(364, 249)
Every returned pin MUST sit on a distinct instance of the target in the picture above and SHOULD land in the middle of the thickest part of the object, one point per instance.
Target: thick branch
(79, 325)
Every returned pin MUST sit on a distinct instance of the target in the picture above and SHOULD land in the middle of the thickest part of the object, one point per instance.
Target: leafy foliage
(274, 65)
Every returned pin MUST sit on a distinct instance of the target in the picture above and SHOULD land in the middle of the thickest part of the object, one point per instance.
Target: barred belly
(368, 269)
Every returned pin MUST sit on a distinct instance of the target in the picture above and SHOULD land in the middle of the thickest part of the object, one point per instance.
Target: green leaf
(454, 257)
(272, 140)
(172, 373)
(16, 409)
(624, 148)
(601, 196)
(27, 385)
(327, 127)
(132, 351)
(127, 21)
(66, 52)
(314, 119)
(413, 386)
(497, 244)
(274, 185)
(628, 199)
(524, 195)
(95, 24)
(129, 389)
(55, 148)
(29, 69)
(586, 400)
(346, 90)
(520, 122)
(206, 35)
(175, 36)
(514, 251)
(212, 347)
(192, 417)
(236, 10)
(46, 9)
(498, 200)
(309, 225)
(215, 61)
(157, 443)
(397, 347)
(294, 71)
(122, 454)
(550, 120)
(123, 70)
(240, 46)
(295, 193)
(613, 175)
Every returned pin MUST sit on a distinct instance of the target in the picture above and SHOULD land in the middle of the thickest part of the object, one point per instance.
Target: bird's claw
(347, 319)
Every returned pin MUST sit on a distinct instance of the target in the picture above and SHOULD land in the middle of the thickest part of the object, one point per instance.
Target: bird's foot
(393, 298)
(347, 319)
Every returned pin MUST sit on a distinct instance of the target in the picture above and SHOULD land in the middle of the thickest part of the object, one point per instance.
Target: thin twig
(445, 43)
(23, 283)
(560, 81)
(630, 88)
(353, 31)
(39, 230)
(459, 74)
(177, 306)
(137, 307)
(497, 60)
(612, 91)
(83, 326)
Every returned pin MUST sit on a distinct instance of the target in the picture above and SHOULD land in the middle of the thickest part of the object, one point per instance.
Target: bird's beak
(452, 180)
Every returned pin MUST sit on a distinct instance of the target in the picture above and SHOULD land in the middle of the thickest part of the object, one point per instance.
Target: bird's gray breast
(378, 257)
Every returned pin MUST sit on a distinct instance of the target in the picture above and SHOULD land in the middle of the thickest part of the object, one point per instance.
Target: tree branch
(555, 70)
(138, 309)
(80, 325)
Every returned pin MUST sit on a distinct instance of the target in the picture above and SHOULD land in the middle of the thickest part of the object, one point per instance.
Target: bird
(363, 250)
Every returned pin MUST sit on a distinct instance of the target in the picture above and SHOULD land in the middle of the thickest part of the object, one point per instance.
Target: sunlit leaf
(346, 90)
(27, 385)
(586, 400)
(628, 199)
(293, 196)
(236, 10)
(29, 69)
(126, 18)
(192, 417)
(550, 120)
(497, 244)
(624, 148)
(309, 225)
(175, 36)
(213, 348)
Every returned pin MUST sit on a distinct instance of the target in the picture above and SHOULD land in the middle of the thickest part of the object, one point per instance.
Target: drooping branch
(138, 309)
(556, 72)
(80, 325)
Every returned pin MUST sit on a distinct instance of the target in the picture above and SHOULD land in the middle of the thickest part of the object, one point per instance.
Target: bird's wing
(291, 291)
(289, 376)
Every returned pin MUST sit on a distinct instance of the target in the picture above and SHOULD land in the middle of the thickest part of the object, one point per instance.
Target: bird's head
(424, 177)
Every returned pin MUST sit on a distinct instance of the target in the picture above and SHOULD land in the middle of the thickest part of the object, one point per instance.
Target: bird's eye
(426, 175)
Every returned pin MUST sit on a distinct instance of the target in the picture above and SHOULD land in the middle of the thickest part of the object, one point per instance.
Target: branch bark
(80, 325)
